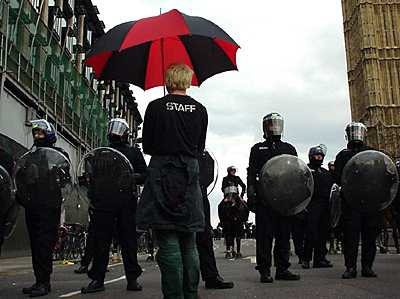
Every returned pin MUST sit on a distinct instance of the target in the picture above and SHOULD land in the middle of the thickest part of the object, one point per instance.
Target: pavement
(315, 283)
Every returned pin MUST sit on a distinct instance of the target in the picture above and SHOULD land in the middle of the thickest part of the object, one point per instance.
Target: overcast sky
(291, 61)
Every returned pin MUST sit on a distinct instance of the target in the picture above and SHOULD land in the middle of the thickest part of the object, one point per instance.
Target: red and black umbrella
(139, 52)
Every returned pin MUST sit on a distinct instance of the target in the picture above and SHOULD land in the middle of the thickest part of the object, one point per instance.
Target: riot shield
(335, 205)
(6, 198)
(286, 184)
(43, 177)
(369, 181)
(8, 207)
(103, 174)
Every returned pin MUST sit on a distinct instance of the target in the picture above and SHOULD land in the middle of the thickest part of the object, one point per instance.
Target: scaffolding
(32, 56)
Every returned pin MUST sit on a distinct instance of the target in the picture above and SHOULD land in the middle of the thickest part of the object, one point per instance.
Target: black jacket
(175, 125)
(233, 180)
(323, 181)
(262, 152)
(41, 189)
(344, 156)
(135, 156)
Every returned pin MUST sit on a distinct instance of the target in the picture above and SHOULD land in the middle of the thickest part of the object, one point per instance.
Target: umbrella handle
(162, 64)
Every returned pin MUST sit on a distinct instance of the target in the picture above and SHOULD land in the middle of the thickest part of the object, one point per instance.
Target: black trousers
(208, 266)
(42, 227)
(233, 231)
(123, 215)
(90, 246)
(298, 235)
(316, 232)
(270, 225)
(356, 224)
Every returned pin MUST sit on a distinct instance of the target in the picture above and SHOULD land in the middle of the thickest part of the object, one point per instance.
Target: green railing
(40, 64)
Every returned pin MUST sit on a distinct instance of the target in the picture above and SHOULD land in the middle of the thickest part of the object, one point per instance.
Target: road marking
(113, 265)
(79, 292)
(251, 258)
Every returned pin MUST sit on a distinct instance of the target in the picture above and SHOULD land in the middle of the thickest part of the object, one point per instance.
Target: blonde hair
(178, 77)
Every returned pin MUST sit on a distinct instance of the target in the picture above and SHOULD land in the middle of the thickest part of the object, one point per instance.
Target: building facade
(42, 49)
(372, 38)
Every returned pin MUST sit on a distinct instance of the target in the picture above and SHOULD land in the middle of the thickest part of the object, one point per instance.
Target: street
(315, 283)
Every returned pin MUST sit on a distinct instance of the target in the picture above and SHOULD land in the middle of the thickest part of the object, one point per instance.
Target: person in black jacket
(42, 215)
(233, 180)
(120, 211)
(174, 134)
(269, 223)
(229, 211)
(317, 218)
(355, 222)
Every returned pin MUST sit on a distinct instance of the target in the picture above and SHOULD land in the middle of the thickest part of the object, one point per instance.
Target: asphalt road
(314, 283)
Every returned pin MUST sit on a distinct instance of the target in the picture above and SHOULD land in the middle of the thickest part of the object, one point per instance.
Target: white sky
(291, 61)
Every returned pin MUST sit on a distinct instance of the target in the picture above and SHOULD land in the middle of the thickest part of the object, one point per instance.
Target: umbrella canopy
(139, 52)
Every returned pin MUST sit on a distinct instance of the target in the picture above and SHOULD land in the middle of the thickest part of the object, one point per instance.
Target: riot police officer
(119, 210)
(42, 215)
(356, 222)
(317, 218)
(270, 224)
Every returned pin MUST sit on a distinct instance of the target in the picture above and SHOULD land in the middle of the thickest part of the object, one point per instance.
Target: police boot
(323, 264)
(28, 290)
(218, 283)
(368, 272)
(40, 289)
(133, 285)
(286, 275)
(349, 273)
(81, 270)
(305, 265)
(93, 287)
(265, 276)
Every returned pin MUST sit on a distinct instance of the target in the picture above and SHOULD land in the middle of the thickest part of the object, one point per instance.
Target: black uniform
(119, 210)
(269, 223)
(7, 162)
(208, 266)
(357, 222)
(42, 215)
(318, 215)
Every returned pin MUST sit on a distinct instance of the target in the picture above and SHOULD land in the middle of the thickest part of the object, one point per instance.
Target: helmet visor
(118, 127)
(41, 124)
(273, 125)
(356, 132)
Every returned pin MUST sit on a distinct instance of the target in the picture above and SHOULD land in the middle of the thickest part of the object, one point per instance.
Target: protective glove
(251, 198)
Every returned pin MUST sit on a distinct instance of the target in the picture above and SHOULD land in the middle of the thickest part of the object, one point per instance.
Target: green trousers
(179, 264)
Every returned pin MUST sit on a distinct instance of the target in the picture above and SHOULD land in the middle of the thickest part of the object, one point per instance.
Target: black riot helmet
(316, 151)
(118, 130)
(356, 132)
(48, 130)
(272, 125)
